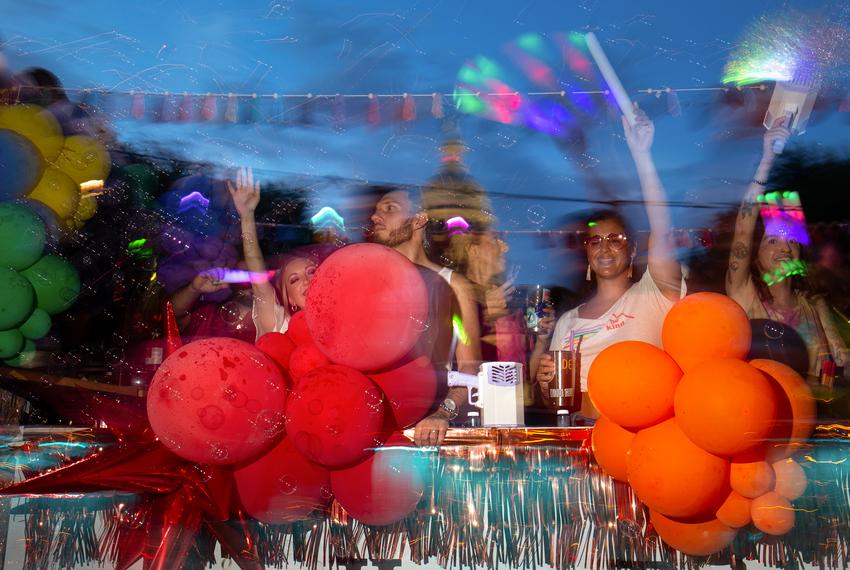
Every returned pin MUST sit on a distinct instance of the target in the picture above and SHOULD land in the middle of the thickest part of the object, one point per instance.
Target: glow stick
(611, 78)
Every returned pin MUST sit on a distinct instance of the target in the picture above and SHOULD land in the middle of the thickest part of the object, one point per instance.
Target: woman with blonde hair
(276, 297)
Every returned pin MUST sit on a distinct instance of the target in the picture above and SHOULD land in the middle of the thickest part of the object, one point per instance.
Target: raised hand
(778, 132)
(640, 136)
(209, 281)
(246, 192)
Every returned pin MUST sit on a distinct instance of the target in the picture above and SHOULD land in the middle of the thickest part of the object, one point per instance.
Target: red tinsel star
(182, 496)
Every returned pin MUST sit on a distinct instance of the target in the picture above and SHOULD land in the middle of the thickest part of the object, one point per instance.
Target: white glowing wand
(611, 77)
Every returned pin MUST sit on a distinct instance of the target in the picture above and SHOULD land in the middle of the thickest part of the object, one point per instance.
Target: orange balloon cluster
(704, 438)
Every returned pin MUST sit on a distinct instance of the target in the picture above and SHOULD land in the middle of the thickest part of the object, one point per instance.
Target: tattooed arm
(738, 272)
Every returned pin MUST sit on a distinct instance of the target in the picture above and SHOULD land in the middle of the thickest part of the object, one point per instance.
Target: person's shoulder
(434, 282)
(461, 284)
(568, 318)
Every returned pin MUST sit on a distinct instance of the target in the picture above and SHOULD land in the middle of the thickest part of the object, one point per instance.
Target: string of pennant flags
(235, 107)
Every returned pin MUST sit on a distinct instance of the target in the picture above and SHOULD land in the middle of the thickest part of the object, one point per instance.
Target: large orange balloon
(673, 476)
(611, 444)
(696, 539)
(725, 406)
(791, 480)
(705, 326)
(632, 383)
(751, 478)
(803, 412)
(772, 514)
(735, 511)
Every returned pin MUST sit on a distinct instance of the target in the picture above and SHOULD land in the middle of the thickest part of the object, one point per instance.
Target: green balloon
(11, 343)
(37, 326)
(24, 357)
(22, 236)
(56, 283)
(17, 299)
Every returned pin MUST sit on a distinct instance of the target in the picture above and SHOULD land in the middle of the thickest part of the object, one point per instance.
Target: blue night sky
(319, 46)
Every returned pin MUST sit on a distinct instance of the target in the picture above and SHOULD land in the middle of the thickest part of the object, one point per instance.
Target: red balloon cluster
(703, 437)
(218, 401)
(354, 381)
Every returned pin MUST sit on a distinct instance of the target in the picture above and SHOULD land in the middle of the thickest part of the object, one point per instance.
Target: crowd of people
(798, 315)
(628, 293)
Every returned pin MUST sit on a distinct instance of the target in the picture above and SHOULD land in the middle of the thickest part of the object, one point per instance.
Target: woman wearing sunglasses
(620, 308)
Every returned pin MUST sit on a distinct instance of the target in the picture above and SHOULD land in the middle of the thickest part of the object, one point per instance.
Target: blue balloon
(20, 165)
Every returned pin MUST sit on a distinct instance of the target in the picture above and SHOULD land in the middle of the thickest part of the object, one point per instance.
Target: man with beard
(399, 222)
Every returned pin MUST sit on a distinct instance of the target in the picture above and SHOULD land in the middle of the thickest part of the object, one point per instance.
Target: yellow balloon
(58, 192)
(86, 209)
(36, 124)
(83, 159)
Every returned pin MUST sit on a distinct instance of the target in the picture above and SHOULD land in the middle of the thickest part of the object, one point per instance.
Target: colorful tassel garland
(209, 110)
(437, 106)
(249, 110)
(373, 115)
(230, 109)
(184, 113)
(137, 109)
(307, 110)
(673, 105)
(408, 108)
(339, 112)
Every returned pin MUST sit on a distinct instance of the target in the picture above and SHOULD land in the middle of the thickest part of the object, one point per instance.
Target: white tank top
(446, 274)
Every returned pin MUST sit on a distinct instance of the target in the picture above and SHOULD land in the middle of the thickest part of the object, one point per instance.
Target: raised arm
(663, 265)
(738, 272)
(246, 196)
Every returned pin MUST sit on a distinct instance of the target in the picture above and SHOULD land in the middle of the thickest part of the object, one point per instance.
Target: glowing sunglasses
(615, 241)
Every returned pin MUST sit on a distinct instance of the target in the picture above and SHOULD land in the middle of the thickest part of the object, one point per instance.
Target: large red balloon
(366, 307)
(282, 486)
(297, 330)
(673, 476)
(385, 487)
(277, 346)
(217, 401)
(335, 416)
(411, 390)
(305, 358)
